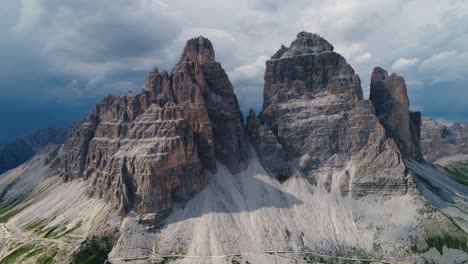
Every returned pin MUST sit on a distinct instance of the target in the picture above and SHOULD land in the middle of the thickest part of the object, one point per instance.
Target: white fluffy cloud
(250, 72)
(363, 58)
(446, 66)
(403, 64)
(248, 83)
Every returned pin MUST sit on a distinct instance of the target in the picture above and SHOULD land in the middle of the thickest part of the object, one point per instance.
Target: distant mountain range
(26, 146)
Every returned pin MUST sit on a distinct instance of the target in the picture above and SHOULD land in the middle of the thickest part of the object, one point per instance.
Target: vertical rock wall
(146, 151)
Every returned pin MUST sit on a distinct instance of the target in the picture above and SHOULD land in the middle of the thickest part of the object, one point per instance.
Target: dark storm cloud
(446, 100)
(59, 57)
(101, 30)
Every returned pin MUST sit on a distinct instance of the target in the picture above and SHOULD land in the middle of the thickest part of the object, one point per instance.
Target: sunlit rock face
(147, 151)
(390, 98)
(314, 107)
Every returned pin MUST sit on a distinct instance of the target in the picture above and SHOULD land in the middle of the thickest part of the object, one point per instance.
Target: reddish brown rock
(147, 151)
(198, 49)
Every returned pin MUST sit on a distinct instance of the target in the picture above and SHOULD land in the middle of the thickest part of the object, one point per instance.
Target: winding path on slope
(269, 252)
(12, 236)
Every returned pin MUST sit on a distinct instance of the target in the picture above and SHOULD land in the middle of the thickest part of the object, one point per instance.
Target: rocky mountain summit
(26, 146)
(315, 118)
(442, 141)
(173, 175)
(146, 151)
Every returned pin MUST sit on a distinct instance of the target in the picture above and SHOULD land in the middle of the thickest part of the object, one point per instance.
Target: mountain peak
(379, 74)
(305, 43)
(198, 49)
(389, 96)
(311, 40)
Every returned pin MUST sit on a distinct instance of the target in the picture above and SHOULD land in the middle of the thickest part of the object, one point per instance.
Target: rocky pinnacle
(390, 99)
(147, 151)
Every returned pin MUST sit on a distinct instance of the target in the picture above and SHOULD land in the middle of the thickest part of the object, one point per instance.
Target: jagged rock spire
(198, 49)
(147, 151)
(390, 99)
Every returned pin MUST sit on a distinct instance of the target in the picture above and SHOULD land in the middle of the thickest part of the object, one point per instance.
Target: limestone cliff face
(441, 141)
(149, 150)
(314, 107)
(390, 98)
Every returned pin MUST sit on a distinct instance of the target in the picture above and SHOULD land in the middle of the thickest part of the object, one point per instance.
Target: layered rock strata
(390, 98)
(441, 141)
(147, 151)
(314, 107)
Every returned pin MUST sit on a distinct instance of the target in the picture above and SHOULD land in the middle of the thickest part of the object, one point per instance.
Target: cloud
(92, 38)
(248, 83)
(419, 108)
(29, 15)
(403, 64)
(446, 66)
(365, 57)
(252, 72)
(70, 53)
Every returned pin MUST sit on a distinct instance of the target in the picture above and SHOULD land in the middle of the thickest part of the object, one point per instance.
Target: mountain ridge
(26, 146)
(172, 174)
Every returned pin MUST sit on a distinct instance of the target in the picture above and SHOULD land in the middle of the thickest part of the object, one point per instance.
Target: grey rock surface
(440, 141)
(150, 150)
(314, 106)
(390, 99)
(270, 152)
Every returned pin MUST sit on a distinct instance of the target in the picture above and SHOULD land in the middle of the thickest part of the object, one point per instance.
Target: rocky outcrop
(270, 152)
(441, 141)
(390, 98)
(26, 146)
(461, 133)
(150, 150)
(314, 106)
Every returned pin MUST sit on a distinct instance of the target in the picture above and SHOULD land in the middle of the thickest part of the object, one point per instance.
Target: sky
(59, 57)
